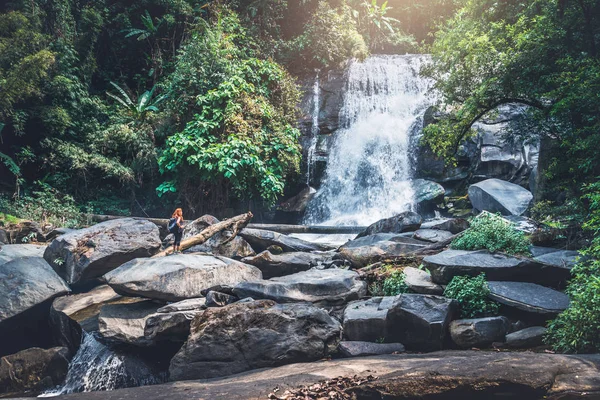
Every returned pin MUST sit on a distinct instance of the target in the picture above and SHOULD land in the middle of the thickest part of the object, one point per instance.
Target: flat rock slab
(562, 258)
(475, 375)
(178, 277)
(240, 337)
(526, 338)
(361, 349)
(172, 327)
(274, 265)
(452, 225)
(432, 235)
(496, 195)
(407, 221)
(184, 305)
(529, 297)
(419, 281)
(327, 288)
(261, 239)
(496, 266)
(91, 252)
(74, 303)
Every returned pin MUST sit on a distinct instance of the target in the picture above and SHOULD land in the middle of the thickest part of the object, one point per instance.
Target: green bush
(471, 294)
(394, 284)
(493, 233)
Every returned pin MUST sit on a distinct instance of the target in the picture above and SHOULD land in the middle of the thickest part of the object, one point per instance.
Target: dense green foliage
(139, 105)
(493, 233)
(471, 294)
(394, 284)
(577, 329)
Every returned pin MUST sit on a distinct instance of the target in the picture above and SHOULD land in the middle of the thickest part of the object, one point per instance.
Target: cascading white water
(368, 175)
(97, 367)
(314, 130)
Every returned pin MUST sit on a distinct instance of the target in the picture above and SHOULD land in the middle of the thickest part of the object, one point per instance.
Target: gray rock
(405, 222)
(366, 320)
(419, 281)
(529, 297)
(360, 253)
(326, 288)
(537, 251)
(56, 232)
(361, 349)
(261, 239)
(428, 191)
(11, 252)
(495, 195)
(91, 252)
(522, 223)
(25, 283)
(274, 265)
(526, 338)
(478, 332)
(299, 202)
(184, 305)
(178, 277)
(125, 323)
(496, 266)
(562, 258)
(218, 299)
(3, 237)
(33, 369)
(432, 235)
(452, 225)
(172, 327)
(240, 337)
(420, 321)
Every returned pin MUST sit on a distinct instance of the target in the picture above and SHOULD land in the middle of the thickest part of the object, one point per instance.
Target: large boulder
(420, 321)
(91, 252)
(419, 281)
(432, 235)
(562, 258)
(298, 203)
(259, 334)
(361, 349)
(274, 265)
(495, 195)
(33, 369)
(10, 252)
(178, 277)
(529, 297)
(496, 266)
(261, 239)
(407, 221)
(125, 323)
(184, 305)
(366, 320)
(369, 249)
(326, 288)
(452, 225)
(27, 287)
(478, 332)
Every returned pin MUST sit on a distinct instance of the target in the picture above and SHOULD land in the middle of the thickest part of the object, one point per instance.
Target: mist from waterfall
(368, 175)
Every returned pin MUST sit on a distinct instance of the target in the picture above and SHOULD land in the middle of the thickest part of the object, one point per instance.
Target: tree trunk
(236, 224)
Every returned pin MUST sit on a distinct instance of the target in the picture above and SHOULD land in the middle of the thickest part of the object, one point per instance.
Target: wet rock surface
(478, 332)
(529, 297)
(261, 239)
(366, 320)
(419, 281)
(274, 265)
(361, 349)
(370, 249)
(91, 252)
(526, 338)
(125, 323)
(405, 222)
(495, 195)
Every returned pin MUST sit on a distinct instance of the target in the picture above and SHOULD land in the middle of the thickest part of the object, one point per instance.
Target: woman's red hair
(178, 213)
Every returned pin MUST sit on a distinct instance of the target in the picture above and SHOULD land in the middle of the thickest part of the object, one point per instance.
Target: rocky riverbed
(267, 300)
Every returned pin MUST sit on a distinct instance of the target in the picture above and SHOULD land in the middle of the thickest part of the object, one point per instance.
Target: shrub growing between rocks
(471, 294)
(394, 284)
(493, 233)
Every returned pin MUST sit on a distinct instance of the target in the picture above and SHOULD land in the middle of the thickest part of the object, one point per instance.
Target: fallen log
(236, 224)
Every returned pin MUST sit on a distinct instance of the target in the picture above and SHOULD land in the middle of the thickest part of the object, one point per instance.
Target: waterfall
(314, 130)
(368, 174)
(98, 367)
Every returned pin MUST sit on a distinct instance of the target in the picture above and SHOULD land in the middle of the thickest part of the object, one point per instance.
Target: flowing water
(98, 367)
(368, 175)
(314, 130)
